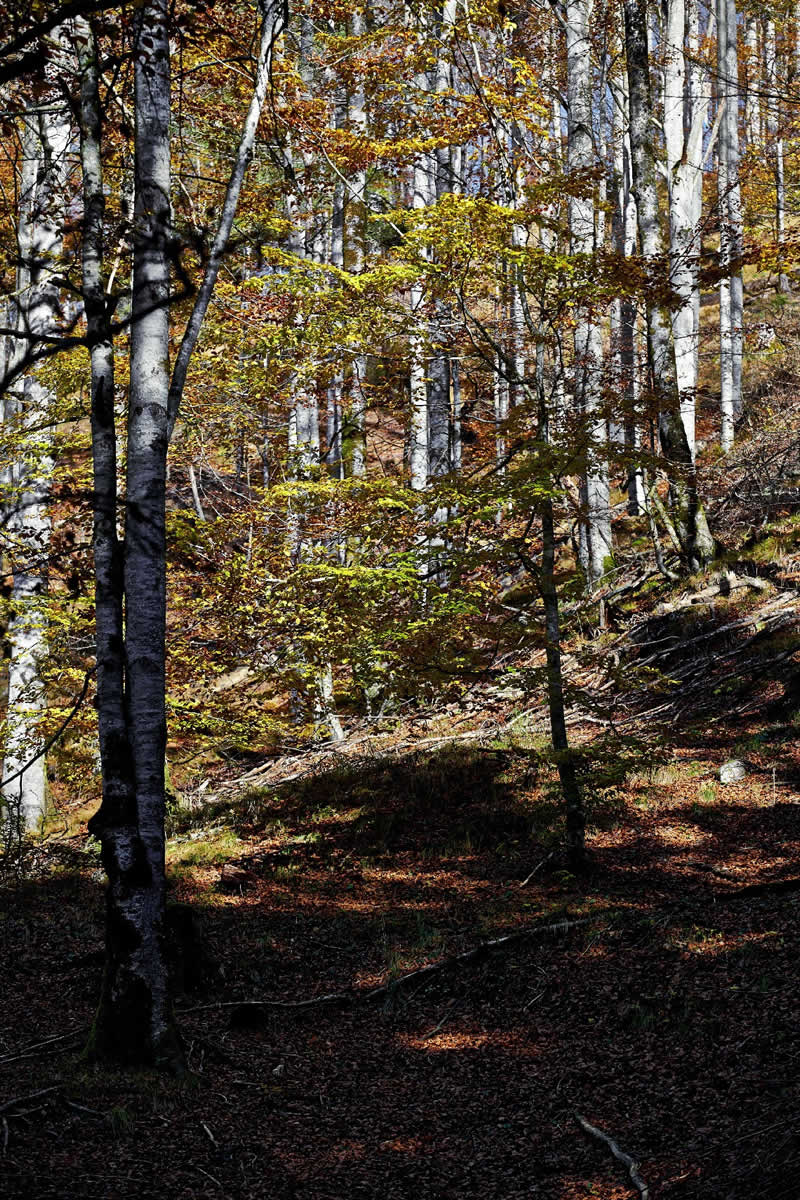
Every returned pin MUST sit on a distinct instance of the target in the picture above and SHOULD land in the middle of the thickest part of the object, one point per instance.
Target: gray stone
(732, 771)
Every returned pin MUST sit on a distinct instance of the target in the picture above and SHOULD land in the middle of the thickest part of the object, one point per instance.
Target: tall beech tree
(134, 1022)
(692, 528)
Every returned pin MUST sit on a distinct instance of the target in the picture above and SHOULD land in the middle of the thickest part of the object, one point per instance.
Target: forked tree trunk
(134, 1021)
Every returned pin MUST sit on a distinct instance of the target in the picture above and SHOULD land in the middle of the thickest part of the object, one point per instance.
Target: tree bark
(730, 224)
(776, 146)
(595, 532)
(570, 786)
(134, 1020)
(698, 545)
(43, 203)
(685, 113)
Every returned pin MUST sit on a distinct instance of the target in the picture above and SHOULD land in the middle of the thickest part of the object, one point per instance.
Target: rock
(732, 771)
(235, 879)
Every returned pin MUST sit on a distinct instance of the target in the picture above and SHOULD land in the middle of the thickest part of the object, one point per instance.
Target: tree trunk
(272, 25)
(685, 115)
(595, 531)
(43, 200)
(570, 787)
(752, 103)
(356, 209)
(730, 223)
(776, 145)
(623, 314)
(698, 545)
(134, 1021)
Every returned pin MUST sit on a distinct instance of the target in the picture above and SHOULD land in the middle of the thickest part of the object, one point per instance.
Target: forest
(400, 548)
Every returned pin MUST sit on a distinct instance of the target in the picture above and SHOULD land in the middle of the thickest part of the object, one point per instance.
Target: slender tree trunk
(423, 192)
(696, 539)
(776, 145)
(45, 142)
(731, 243)
(570, 787)
(272, 25)
(685, 115)
(356, 223)
(596, 526)
(115, 751)
(752, 104)
(624, 310)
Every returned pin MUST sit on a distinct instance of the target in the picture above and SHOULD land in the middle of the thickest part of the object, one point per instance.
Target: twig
(313, 1002)
(477, 953)
(211, 1177)
(629, 1163)
(94, 1112)
(5, 1135)
(537, 868)
(27, 1051)
(51, 741)
(210, 1136)
(432, 1032)
(9, 1104)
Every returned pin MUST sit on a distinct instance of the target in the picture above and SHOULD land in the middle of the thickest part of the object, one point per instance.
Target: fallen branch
(93, 1112)
(762, 889)
(9, 1104)
(630, 1164)
(477, 953)
(701, 866)
(28, 1051)
(537, 868)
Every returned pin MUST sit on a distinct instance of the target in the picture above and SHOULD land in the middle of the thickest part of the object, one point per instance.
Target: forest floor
(657, 997)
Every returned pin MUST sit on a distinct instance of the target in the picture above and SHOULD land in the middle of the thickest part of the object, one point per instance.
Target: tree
(134, 1022)
(28, 407)
(695, 537)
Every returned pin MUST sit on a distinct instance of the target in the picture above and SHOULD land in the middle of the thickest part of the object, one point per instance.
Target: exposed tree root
(630, 1164)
